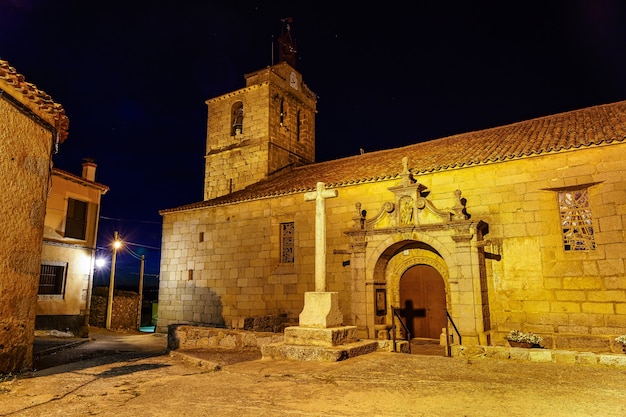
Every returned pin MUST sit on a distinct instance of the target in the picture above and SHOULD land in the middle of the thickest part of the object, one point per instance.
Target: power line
(127, 220)
(133, 254)
(142, 246)
(107, 249)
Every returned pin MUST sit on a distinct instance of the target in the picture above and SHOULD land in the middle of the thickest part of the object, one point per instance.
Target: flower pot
(526, 345)
(519, 344)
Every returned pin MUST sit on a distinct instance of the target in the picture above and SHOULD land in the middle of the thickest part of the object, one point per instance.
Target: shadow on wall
(211, 309)
(201, 307)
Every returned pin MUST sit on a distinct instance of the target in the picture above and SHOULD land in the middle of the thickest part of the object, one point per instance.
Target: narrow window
(201, 237)
(52, 278)
(76, 220)
(282, 111)
(286, 242)
(576, 221)
(237, 119)
(190, 275)
(298, 125)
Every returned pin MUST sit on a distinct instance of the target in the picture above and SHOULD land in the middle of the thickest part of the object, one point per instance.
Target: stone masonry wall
(278, 131)
(25, 149)
(533, 283)
(232, 163)
(235, 271)
(274, 324)
(193, 337)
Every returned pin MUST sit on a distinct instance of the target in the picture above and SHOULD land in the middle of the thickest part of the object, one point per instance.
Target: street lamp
(100, 262)
(117, 243)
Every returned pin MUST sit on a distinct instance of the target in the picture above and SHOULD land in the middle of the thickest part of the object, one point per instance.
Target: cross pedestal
(321, 310)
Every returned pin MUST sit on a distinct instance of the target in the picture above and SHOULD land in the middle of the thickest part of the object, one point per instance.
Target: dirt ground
(150, 382)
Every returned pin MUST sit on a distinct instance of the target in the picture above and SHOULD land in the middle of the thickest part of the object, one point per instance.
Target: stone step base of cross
(283, 351)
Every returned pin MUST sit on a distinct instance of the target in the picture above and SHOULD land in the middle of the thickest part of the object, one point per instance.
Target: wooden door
(422, 299)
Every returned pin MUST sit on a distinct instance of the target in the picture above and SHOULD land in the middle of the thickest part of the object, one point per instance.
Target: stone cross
(319, 195)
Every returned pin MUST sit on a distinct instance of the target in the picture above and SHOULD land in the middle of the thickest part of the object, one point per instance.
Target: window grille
(287, 242)
(576, 221)
(51, 279)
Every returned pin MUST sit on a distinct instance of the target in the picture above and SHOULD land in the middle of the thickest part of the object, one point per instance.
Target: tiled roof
(80, 180)
(40, 102)
(591, 126)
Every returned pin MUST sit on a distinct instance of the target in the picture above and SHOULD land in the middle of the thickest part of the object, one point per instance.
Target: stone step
(314, 336)
(281, 350)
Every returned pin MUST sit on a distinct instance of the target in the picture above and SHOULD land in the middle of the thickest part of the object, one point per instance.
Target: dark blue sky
(133, 77)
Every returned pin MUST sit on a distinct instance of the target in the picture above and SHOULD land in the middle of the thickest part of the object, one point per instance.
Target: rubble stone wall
(25, 163)
(124, 310)
(196, 337)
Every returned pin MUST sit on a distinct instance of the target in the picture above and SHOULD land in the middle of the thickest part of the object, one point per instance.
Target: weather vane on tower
(286, 44)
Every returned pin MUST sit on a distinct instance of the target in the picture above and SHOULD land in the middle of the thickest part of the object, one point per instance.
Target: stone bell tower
(261, 130)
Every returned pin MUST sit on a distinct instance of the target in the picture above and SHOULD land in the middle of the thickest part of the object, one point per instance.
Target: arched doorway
(422, 300)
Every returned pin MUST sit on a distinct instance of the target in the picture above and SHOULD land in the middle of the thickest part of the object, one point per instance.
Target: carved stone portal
(411, 207)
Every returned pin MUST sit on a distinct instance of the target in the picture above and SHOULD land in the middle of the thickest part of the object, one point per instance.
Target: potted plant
(518, 338)
(622, 341)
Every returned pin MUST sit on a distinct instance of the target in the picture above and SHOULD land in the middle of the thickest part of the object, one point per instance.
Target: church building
(513, 227)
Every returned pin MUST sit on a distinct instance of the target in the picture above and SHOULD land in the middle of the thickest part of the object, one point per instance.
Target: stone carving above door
(411, 207)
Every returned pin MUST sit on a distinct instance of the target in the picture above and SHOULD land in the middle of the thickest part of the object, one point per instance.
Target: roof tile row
(42, 101)
(591, 126)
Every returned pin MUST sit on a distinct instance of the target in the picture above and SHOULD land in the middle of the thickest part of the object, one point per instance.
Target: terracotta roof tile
(41, 102)
(80, 180)
(591, 126)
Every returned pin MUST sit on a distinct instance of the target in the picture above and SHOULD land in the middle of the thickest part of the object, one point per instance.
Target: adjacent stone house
(513, 227)
(69, 249)
(32, 126)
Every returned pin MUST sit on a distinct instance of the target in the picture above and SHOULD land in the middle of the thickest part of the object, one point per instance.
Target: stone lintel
(321, 310)
(311, 336)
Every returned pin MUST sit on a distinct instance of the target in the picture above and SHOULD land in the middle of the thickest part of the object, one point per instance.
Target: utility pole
(116, 245)
(140, 304)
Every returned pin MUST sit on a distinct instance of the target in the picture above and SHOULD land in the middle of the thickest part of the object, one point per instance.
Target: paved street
(132, 375)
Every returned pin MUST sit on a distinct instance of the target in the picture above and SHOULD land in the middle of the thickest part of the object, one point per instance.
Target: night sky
(134, 75)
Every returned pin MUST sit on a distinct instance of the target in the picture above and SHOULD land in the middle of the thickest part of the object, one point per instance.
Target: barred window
(52, 278)
(286, 242)
(576, 221)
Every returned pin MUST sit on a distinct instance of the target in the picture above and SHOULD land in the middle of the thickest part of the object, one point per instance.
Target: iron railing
(396, 315)
(448, 347)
